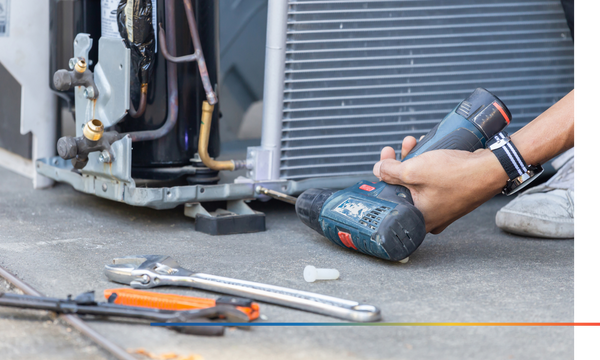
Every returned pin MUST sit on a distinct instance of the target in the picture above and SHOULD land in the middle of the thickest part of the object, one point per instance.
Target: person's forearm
(448, 184)
(549, 134)
(546, 136)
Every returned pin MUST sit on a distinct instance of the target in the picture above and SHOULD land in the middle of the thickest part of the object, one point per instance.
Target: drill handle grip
(468, 126)
(458, 139)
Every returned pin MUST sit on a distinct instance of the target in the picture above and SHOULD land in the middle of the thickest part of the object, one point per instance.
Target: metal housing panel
(361, 75)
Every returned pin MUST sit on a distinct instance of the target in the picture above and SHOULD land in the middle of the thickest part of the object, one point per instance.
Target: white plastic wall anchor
(311, 274)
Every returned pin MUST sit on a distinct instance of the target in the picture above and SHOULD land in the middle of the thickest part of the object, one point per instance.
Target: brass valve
(80, 65)
(93, 130)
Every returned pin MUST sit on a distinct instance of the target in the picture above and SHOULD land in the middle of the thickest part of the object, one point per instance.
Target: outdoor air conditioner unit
(343, 79)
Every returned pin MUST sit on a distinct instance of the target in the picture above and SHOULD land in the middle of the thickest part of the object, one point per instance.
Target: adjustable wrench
(148, 271)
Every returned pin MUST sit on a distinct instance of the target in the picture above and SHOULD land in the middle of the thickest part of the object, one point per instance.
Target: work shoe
(547, 210)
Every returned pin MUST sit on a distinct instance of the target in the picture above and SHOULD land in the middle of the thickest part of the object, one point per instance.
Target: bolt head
(72, 62)
(89, 92)
(62, 80)
(66, 147)
(104, 157)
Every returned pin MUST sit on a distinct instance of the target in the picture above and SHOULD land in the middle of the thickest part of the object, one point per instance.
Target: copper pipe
(207, 112)
(142, 105)
(207, 106)
(197, 56)
(171, 80)
(167, 47)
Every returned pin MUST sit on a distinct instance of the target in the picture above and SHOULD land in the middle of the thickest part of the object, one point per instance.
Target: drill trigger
(346, 239)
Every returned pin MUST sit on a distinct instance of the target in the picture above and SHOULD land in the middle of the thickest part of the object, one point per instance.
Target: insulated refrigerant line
(72, 320)
(173, 93)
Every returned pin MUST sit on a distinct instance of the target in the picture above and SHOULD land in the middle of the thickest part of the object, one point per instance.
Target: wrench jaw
(143, 271)
(134, 260)
(126, 270)
(120, 273)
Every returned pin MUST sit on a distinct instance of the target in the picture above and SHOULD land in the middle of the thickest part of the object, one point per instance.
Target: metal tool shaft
(303, 300)
(276, 195)
(148, 271)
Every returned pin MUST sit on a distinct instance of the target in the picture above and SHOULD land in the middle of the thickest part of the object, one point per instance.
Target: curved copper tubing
(167, 47)
(171, 81)
(207, 112)
(142, 105)
(197, 56)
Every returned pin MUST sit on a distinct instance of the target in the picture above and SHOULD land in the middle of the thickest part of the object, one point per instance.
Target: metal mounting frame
(169, 197)
(111, 75)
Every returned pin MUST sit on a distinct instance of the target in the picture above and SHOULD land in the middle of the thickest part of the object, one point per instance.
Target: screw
(104, 157)
(89, 92)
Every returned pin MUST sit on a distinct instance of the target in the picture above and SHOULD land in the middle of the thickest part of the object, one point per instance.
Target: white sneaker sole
(525, 224)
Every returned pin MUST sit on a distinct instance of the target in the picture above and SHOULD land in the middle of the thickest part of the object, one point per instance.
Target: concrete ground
(58, 240)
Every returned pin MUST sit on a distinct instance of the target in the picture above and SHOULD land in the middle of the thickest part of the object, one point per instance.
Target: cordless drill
(380, 219)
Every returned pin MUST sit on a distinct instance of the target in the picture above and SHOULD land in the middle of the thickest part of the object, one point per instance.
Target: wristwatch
(519, 174)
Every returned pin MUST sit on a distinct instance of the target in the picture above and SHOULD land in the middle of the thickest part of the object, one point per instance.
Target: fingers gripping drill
(380, 219)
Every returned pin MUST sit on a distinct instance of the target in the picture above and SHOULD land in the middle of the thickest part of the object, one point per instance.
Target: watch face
(522, 181)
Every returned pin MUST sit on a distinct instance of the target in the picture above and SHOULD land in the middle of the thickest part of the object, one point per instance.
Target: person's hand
(448, 184)
(445, 184)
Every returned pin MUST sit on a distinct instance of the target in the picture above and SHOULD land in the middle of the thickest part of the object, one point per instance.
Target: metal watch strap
(508, 155)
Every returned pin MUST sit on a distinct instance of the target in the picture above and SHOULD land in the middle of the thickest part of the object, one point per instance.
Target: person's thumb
(377, 169)
(388, 170)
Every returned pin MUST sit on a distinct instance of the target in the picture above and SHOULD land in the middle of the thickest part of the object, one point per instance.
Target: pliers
(85, 304)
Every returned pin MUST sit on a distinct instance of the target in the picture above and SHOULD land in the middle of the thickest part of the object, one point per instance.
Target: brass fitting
(80, 65)
(93, 130)
(207, 111)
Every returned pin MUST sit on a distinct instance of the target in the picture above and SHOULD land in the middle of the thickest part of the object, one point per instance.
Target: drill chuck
(309, 205)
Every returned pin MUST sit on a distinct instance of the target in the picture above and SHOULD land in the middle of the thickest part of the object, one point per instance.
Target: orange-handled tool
(132, 297)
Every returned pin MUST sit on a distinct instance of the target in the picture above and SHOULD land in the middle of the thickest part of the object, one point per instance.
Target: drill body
(380, 219)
